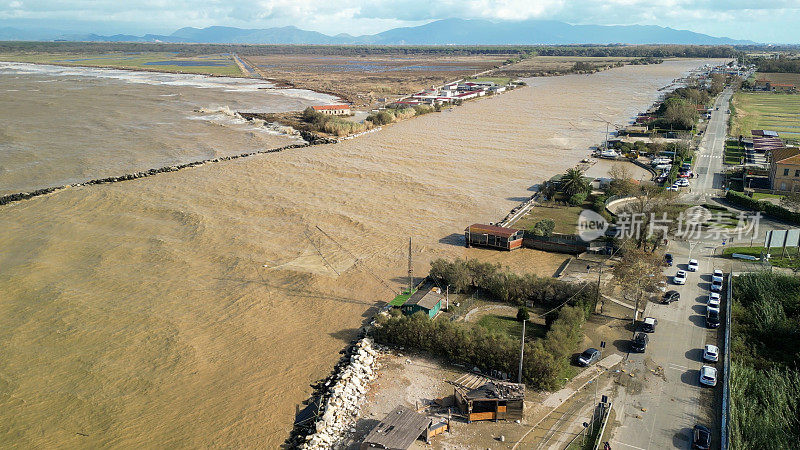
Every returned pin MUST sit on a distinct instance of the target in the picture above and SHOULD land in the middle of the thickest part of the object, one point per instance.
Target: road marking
(677, 367)
(628, 445)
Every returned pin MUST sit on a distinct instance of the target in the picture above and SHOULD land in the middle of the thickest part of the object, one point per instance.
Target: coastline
(305, 433)
(237, 190)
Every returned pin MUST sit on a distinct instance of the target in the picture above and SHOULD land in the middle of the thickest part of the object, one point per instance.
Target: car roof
(672, 292)
(693, 261)
(708, 370)
(590, 350)
(713, 294)
(712, 348)
(681, 272)
(649, 320)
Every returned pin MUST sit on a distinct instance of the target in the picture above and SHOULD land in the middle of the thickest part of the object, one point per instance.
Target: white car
(716, 286)
(713, 300)
(693, 265)
(708, 376)
(680, 277)
(716, 276)
(711, 353)
(609, 153)
(673, 188)
(682, 182)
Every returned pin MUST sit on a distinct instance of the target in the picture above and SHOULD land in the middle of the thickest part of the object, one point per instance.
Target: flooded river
(194, 308)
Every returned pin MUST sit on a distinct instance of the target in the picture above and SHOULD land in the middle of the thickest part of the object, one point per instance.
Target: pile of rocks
(343, 404)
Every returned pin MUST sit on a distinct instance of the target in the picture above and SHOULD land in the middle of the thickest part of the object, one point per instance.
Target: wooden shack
(401, 428)
(426, 299)
(493, 236)
(480, 398)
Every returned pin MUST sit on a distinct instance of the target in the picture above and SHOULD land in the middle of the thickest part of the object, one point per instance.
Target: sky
(768, 21)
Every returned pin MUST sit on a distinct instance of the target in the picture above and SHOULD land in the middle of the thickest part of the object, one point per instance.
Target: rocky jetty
(338, 399)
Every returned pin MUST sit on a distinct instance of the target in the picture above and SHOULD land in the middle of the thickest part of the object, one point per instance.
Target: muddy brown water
(193, 308)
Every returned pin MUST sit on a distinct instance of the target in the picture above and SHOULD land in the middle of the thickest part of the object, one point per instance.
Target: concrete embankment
(310, 138)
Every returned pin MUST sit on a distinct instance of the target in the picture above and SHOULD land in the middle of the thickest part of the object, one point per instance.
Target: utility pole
(410, 271)
(521, 353)
(599, 274)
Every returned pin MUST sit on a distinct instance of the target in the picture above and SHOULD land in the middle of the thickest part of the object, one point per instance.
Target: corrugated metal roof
(399, 429)
(491, 229)
(425, 298)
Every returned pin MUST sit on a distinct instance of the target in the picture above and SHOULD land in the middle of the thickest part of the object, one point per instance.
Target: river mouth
(194, 308)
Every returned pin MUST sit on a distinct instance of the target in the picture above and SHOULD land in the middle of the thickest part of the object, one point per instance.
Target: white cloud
(766, 20)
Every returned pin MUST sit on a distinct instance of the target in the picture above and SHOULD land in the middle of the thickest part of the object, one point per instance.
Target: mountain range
(440, 32)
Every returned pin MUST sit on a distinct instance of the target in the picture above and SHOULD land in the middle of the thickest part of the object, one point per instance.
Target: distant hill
(440, 32)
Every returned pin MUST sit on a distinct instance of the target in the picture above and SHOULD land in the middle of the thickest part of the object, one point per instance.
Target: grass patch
(733, 152)
(502, 81)
(401, 299)
(565, 217)
(762, 196)
(790, 261)
(510, 326)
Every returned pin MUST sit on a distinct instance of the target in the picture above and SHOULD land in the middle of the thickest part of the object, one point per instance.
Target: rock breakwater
(338, 399)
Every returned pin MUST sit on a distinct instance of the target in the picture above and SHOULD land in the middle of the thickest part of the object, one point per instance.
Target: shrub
(577, 199)
(543, 227)
(771, 209)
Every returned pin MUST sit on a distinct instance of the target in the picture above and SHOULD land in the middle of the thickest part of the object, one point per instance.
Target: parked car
(680, 277)
(682, 182)
(668, 259)
(670, 296)
(710, 353)
(712, 317)
(639, 342)
(649, 325)
(701, 438)
(588, 357)
(716, 286)
(609, 153)
(713, 300)
(708, 376)
(693, 265)
(717, 275)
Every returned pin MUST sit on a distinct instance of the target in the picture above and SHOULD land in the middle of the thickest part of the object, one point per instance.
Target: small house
(493, 236)
(333, 110)
(480, 398)
(427, 299)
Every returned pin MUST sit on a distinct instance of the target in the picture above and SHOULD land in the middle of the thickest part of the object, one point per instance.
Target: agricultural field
(366, 79)
(781, 78)
(217, 64)
(768, 111)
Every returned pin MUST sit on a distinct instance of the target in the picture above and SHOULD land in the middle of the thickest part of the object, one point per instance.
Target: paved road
(709, 163)
(661, 403)
(664, 400)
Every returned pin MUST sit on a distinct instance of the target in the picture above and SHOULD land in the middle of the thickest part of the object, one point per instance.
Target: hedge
(768, 208)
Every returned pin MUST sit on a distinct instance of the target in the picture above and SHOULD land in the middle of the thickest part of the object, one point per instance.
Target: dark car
(712, 317)
(668, 259)
(639, 342)
(701, 437)
(670, 296)
(588, 357)
(649, 325)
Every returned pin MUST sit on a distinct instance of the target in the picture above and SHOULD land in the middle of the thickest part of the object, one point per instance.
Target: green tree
(523, 314)
(573, 182)
(544, 227)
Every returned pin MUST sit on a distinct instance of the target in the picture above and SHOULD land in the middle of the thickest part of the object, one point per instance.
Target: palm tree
(573, 182)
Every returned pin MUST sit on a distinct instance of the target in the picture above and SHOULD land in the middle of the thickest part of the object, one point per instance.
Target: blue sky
(776, 21)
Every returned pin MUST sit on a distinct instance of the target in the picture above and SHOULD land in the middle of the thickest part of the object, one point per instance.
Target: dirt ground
(365, 79)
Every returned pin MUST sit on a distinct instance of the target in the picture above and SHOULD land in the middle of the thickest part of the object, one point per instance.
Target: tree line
(546, 360)
(500, 284)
